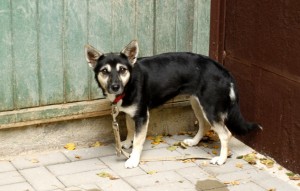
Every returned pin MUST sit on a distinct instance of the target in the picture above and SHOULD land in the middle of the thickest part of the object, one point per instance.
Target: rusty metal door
(259, 42)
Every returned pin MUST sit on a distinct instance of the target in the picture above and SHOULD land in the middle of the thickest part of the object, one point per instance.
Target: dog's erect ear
(91, 55)
(131, 51)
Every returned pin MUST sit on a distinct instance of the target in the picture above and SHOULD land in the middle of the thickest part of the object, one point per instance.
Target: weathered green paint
(165, 26)
(99, 35)
(123, 23)
(75, 36)
(24, 20)
(6, 66)
(41, 49)
(201, 32)
(51, 51)
(184, 25)
(145, 26)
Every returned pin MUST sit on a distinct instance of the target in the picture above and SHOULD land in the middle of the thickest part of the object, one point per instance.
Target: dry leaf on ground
(268, 162)
(235, 182)
(107, 175)
(188, 160)
(70, 146)
(152, 172)
(181, 145)
(172, 148)
(293, 176)
(250, 158)
(35, 161)
(97, 144)
(215, 152)
(239, 165)
(157, 140)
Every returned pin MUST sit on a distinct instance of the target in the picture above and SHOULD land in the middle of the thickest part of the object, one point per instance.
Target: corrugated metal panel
(41, 49)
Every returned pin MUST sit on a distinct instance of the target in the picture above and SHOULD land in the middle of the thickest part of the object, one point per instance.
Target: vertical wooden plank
(6, 65)
(25, 53)
(165, 28)
(75, 35)
(184, 25)
(145, 26)
(203, 22)
(99, 34)
(50, 51)
(124, 27)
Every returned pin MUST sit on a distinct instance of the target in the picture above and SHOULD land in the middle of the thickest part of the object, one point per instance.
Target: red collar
(118, 98)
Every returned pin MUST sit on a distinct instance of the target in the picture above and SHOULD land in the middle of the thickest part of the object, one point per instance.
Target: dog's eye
(122, 70)
(104, 71)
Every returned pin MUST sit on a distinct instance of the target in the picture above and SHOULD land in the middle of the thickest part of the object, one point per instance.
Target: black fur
(155, 80)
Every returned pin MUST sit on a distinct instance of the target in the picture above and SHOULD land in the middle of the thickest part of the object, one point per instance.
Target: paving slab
(91, 177)
(150, 180)
(231, 165)
(116, 185)
(6, 166)
(117, 164)
(193, 174)
(163, 165)
(269, 182)
(78, 171)
(39, 160)
(10, 177)
(250, 186)
(76, 167)
(41, 179)
(88, 153)
(174, 186)
(22, 186)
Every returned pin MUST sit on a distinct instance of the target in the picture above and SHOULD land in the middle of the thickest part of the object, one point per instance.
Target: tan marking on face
(102, 77)
(123, 76)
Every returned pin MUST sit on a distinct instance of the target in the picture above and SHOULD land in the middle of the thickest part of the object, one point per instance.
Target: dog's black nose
(115, 87)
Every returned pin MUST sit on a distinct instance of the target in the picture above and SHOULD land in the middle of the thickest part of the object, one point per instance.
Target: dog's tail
(236, 122)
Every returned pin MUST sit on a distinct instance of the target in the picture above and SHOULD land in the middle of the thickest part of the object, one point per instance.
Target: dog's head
(112, 71)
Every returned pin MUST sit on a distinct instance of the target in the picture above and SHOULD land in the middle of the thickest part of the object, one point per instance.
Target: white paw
(132, 162)
(126, 144)
(218, 160)
(190, 142)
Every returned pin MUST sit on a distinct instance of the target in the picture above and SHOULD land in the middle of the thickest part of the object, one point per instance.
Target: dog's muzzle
(115, 88)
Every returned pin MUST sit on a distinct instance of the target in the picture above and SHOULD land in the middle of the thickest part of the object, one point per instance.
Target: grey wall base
(46, 137)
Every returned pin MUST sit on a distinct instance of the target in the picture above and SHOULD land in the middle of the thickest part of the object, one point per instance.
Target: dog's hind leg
(130, 133)
(138, 141)
(224, 136)
(200, 117)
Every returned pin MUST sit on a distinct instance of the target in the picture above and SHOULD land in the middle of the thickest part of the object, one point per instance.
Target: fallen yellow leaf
(235, 182)
(34, 161)
(150, 138)
(152, 172)
(268, 162)
(70, 146)
(239, 165)
(157, 140)
(215, 152)
(77, 156)
(97, 144)
(107, 175)
(250, 158)
(188, 160)
(172, 148)
(216, 146)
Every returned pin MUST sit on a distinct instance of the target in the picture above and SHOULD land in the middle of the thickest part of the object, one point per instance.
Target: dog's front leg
(141, 124)
(130, 132)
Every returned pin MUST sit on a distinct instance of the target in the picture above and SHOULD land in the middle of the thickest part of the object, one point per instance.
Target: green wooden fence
(41, 43)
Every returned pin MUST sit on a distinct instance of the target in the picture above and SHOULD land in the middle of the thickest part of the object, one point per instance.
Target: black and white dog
(139, 84)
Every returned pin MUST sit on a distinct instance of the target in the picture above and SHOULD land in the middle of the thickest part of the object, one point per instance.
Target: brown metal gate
(259, 42)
